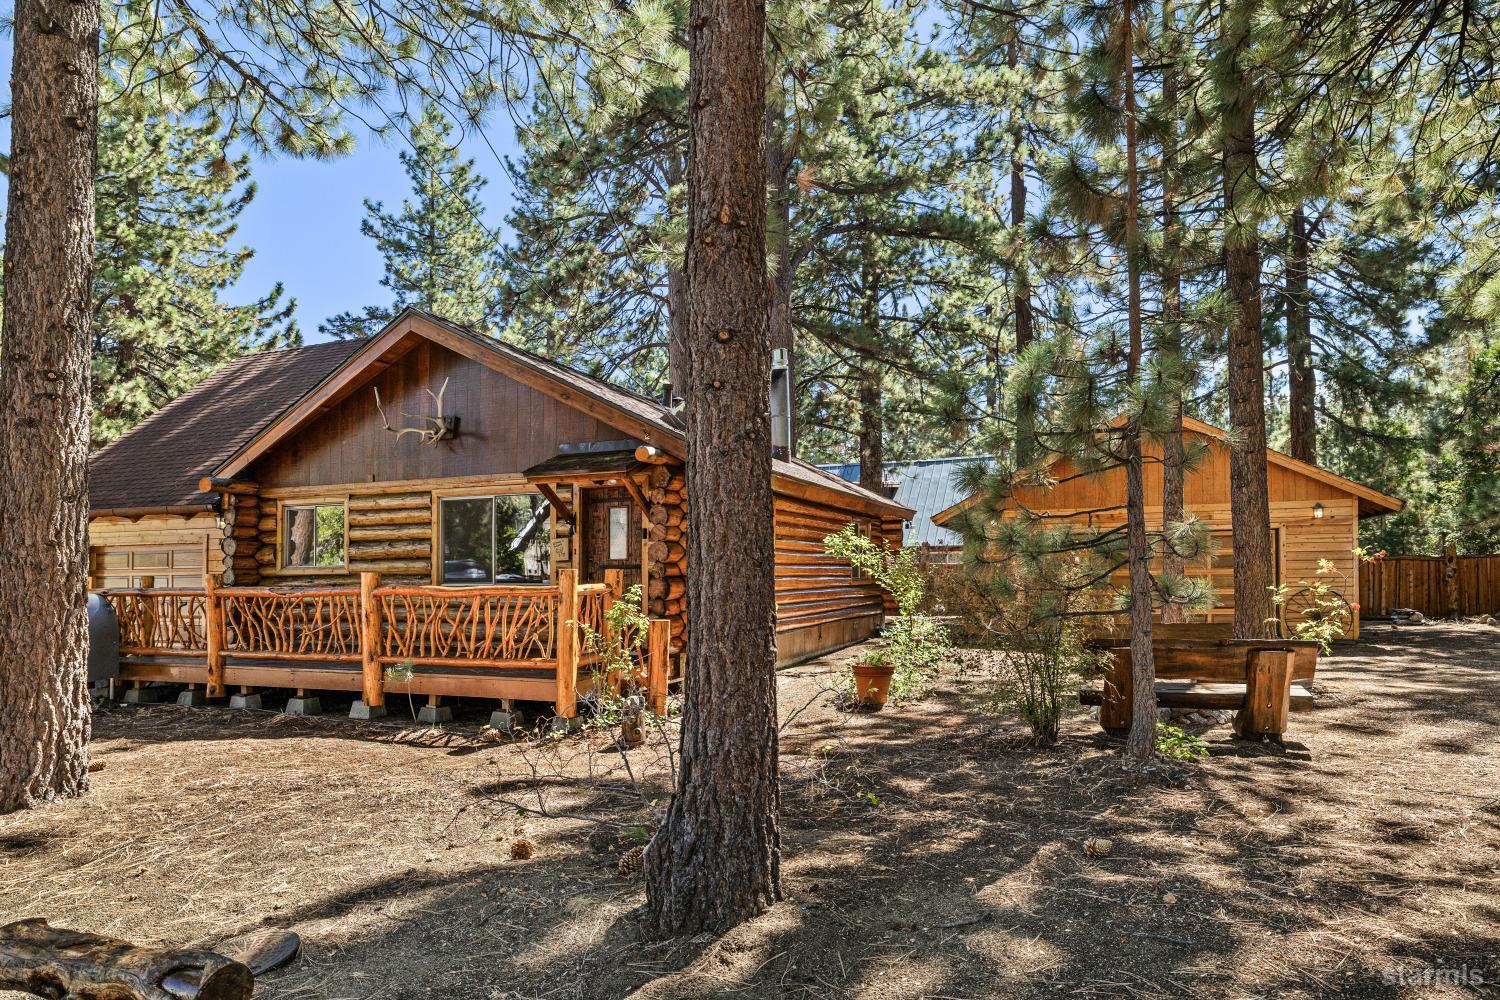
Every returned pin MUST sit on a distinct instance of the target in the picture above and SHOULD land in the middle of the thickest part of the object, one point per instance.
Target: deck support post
(658, 641)
(372, 704)
(213, 631)
(1268, 686)
(1119, 690)
(567, 643)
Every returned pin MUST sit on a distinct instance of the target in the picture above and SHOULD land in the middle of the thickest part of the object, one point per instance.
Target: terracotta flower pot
(872, 683)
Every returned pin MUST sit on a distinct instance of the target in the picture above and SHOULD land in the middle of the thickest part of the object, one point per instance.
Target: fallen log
(72, 965)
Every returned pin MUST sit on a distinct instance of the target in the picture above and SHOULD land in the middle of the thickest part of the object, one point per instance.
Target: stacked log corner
(241, 546)
(666, 550)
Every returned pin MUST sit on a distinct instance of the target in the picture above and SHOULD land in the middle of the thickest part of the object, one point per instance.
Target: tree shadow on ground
(928, 852)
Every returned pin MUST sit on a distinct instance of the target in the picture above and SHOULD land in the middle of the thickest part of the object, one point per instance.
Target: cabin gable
(504, 427)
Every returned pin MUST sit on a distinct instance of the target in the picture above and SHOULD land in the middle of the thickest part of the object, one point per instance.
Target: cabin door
(611, 535)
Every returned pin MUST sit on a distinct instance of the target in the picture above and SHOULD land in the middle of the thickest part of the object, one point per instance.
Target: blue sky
(304, 222)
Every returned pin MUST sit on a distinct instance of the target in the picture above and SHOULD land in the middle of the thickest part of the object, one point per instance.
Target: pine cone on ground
(630, 862)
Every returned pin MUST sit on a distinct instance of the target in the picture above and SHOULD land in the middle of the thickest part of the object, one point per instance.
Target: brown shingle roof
(157, 464)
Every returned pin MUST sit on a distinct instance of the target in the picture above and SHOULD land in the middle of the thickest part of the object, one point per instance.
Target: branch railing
(448, 628)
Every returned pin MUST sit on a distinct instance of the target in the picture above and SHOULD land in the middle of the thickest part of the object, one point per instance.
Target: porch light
(1318, 511)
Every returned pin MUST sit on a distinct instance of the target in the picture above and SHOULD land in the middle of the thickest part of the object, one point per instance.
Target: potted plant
(872, 679)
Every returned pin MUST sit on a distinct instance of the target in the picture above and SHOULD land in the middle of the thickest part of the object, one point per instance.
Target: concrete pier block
(434, 715)
(246, 702)
(359, 710)
(563, 727)
(145, 696)
(192, 698)
(505, 721)
(304, 705)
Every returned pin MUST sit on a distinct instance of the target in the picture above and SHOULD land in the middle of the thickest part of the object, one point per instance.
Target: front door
(611, 535)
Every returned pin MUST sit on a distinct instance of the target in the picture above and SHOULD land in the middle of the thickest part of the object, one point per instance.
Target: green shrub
(1179, 744)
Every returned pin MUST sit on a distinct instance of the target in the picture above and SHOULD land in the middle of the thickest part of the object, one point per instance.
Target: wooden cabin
(1315, 515)
(433, 497)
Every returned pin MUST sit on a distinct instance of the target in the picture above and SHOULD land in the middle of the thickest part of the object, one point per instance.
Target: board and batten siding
(504, 427)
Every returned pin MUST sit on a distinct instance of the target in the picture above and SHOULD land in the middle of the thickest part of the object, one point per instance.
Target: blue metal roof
(926, 487)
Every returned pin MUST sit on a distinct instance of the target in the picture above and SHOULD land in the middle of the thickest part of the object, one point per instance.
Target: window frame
(480, 492)
(283, 507)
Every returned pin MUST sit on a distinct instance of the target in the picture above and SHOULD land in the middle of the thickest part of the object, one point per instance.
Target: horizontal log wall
(814, 588)
(1423, 583)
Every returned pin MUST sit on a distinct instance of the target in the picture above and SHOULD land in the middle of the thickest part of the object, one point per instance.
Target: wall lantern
(1318, 511)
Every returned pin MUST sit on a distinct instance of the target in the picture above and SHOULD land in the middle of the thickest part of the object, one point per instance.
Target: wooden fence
(458, 630)
(1437, 586)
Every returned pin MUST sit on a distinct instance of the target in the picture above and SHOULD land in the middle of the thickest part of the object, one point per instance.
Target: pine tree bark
(1140, 745)
(1303, 380)
(44, 404)
(1173, 486)
(716, 861)
(1249, 501)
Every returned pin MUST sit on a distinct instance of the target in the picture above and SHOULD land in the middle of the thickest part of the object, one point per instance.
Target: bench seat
(1199, 694)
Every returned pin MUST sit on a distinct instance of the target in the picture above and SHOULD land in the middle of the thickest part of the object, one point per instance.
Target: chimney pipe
(781, 404)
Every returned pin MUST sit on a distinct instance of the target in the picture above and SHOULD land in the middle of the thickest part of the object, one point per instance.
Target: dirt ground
(928, 852)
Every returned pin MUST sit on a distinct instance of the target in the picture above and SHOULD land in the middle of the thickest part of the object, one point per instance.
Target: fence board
(1418, 582)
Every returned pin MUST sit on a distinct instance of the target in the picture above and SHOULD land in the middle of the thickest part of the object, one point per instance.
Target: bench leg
(1119, 690)
(1268, 695)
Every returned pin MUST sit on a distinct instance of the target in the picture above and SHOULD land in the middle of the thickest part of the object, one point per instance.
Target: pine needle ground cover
(929, 852)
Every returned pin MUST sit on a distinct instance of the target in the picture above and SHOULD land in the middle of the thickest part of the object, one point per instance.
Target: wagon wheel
(1311, 604)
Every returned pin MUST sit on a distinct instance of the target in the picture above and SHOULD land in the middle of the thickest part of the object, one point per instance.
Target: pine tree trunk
(1249, 503)
(1173, 488)
(1141, 743)
(871, 382)
(44, 404)
(1021, 292)
(1304, 381)
(716, 860)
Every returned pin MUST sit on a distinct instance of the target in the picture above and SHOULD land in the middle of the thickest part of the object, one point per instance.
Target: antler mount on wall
(431, 429)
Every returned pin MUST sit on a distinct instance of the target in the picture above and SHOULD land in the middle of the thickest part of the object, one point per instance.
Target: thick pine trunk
(1141, 743)
(1249, 503)
(716, 860)
(1173, 488)
(44, 404)
(1304, 381)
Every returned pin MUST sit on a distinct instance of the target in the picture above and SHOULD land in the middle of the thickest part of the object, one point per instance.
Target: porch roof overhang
(588, 467)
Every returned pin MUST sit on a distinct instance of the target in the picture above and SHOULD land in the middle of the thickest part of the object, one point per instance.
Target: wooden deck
(505, 642)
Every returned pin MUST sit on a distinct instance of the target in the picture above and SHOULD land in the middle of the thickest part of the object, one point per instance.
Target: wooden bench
(1261, 679)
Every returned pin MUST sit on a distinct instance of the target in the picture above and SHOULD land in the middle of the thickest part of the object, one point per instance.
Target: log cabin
(1315, 516)
(434, 498)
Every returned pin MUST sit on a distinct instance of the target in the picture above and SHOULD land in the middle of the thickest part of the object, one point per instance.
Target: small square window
(313, 536)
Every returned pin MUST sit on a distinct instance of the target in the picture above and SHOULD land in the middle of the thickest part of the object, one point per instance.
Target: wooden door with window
(611, 535)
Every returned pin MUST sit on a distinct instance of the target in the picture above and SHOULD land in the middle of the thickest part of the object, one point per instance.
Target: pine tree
(165, 209)
(287, 88)
(716, 860)
(439, 254)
